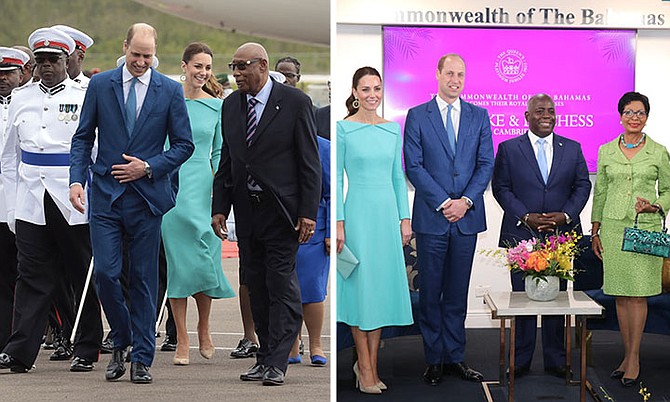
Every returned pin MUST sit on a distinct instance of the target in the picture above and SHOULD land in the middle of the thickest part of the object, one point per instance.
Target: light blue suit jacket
(438, 174)
(163, 115)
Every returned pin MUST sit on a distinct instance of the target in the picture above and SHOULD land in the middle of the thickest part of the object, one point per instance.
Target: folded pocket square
(346, 262)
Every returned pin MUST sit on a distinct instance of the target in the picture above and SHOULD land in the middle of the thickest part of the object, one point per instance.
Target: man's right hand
(219, 226)
(78, 197)
(541, 222)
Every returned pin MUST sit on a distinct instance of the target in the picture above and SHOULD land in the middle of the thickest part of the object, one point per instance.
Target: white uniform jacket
(4, 112)
(35, 155)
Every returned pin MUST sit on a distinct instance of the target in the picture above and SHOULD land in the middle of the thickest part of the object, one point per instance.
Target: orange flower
(538, 261)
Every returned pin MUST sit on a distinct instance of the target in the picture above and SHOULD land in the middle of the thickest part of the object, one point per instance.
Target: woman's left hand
(643, 206)
(405, 231)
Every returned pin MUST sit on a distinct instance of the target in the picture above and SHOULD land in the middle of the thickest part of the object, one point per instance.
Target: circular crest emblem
(46, 43)
(511, 66)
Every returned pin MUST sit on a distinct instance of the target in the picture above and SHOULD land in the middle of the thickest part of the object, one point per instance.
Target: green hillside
(106, 21)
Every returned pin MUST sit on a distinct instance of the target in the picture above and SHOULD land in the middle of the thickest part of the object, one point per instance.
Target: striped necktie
(252, 124)
(252, 121)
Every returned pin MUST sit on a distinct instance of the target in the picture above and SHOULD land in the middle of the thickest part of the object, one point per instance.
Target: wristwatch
(147, 169)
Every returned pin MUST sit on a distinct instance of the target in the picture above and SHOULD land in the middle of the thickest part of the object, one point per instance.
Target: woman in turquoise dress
(633, 177)
(192, 250)
(374, 224)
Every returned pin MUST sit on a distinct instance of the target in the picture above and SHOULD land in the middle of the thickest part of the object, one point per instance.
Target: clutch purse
(346, 262)
(647, 242)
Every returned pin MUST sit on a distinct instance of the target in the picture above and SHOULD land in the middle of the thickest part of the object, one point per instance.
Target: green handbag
(647, 242)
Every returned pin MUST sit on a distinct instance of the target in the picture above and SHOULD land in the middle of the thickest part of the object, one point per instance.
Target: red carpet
(229, 249)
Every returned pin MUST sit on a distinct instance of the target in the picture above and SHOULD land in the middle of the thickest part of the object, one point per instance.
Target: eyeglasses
(639, 114)
(242, 65)
(291, 75)
(51, 59)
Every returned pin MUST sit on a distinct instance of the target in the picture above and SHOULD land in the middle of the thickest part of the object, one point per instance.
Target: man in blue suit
(542, 184)
(449, 160)
(135, 110)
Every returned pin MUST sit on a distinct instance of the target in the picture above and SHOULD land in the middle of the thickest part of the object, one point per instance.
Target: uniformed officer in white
(11, 64)
(52, 239)
(82, 43)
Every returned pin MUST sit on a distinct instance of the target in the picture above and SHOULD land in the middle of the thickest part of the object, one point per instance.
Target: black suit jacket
(323, 122)
(283, 157)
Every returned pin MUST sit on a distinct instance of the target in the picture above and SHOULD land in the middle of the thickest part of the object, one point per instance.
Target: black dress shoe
(63, 350)
(255, 373)
(169, 344)
(9, 362)
(79, 364)
(559, 371)
(464, 371)
(617, 374)
(519, 371)
(107, 346)
(245, 348)
(273, 376)
(139, 373)
(117, 366)
(433, 374)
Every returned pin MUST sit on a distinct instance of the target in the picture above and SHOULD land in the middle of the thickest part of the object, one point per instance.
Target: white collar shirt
(455, 113)
(141, 86)
(548, 147)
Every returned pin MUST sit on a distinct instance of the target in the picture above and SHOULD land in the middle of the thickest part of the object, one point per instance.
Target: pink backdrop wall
(585, 71)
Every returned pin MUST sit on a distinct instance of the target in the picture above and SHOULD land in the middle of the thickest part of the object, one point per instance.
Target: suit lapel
(557, 158)
(435, 119)
(149, 102)
(527, 151)
(463, 125)
(270, 111)
(117, 85)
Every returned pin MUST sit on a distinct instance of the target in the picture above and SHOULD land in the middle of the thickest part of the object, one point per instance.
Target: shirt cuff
(76, 184)
(443, 204)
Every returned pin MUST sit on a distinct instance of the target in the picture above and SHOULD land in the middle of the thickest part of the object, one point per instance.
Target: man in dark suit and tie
(449, 160)
(542, 184)
(270, 172)
(135, 109)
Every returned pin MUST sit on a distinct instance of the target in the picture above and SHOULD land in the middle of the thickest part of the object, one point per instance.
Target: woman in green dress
(633, 178)
(192, 250)
(375, 220)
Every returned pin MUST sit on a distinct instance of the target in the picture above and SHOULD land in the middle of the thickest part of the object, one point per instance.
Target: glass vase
(542, 290)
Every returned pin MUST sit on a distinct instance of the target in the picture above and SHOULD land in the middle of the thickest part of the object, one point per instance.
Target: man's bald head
(254, 74)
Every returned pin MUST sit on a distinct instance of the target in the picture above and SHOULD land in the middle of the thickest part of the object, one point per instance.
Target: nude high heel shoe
(372, 389)
(180, 361)
(207, 353)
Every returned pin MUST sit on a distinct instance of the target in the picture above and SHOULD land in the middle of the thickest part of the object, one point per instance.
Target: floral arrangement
(540, 259)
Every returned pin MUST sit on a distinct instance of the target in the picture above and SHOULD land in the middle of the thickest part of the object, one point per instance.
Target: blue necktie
(542, 160)
(131, 107)
(451, 134)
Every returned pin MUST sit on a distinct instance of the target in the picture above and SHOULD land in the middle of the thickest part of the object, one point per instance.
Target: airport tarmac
(202, 380)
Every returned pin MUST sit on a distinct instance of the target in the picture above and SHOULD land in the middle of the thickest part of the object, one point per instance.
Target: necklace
(631, 146)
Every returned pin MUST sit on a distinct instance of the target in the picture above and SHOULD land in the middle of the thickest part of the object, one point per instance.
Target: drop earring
(182, 77)
(356, 104)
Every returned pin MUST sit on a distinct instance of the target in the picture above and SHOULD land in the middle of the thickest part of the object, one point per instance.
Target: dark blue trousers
(133, 322)
(445, 264)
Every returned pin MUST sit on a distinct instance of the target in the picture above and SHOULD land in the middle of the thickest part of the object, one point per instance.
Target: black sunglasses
(51, 59)
(242, 65)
